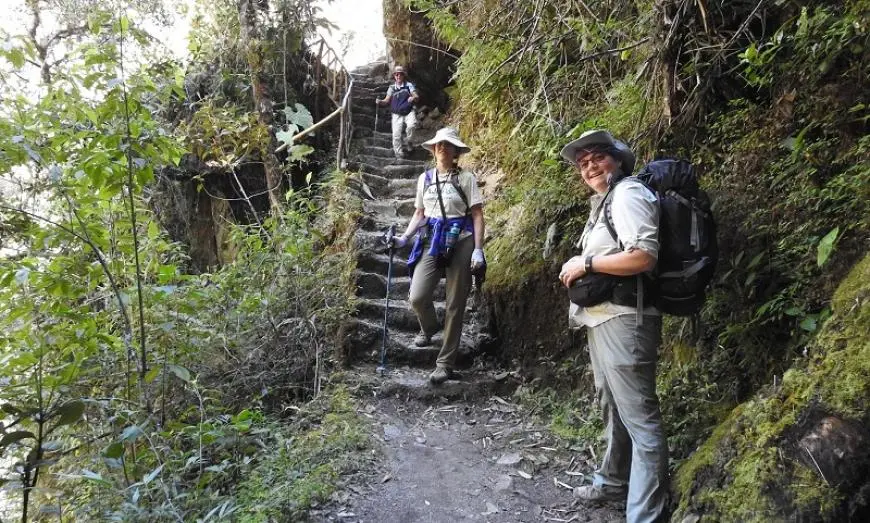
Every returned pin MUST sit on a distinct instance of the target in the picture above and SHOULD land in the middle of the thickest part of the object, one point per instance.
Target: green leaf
(794, 311)
(299, 152)
(285, 137)
(151, 475)
(114, 451)
(826, 246)
(153, 230)
(131, 433)
(182, 373)
(93, 476)
(125, 24)
(298, 117)
(152, 374)
(16, 436)
(809, 324)
(70, 412)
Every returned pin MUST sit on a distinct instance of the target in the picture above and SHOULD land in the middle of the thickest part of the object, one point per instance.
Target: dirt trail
(461, 452)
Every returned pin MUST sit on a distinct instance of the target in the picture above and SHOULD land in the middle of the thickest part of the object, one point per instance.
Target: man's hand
(572, 270)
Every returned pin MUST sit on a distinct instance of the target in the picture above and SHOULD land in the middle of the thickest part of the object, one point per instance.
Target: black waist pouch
(592, 289)
(596, 288)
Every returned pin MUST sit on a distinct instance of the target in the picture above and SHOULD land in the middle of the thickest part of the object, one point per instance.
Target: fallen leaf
(524, 474)
(386, 477)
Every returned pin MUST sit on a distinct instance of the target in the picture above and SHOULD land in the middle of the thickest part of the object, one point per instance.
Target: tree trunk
(252, 42)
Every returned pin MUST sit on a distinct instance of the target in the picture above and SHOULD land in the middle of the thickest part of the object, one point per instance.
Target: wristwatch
(589, 264)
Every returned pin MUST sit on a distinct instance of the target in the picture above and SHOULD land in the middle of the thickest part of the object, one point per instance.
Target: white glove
(477, 259)
(398, 242)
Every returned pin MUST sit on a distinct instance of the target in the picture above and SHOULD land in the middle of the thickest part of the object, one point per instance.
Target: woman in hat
(448, 228)
(401, 97)
(623, 340)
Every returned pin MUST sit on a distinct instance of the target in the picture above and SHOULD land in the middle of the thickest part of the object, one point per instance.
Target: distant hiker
(448, 239)
(623, 341)
(401, 96)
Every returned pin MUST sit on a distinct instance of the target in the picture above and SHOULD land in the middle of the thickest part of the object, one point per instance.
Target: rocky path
(462, 451)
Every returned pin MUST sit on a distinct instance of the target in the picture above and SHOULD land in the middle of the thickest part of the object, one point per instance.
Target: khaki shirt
(635, 213)
(453, 204)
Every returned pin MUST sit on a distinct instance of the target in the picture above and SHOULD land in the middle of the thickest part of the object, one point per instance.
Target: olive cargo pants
(426, 278)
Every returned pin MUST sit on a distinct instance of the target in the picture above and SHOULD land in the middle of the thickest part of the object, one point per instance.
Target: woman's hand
(477, 259)
(397, 242)
(572, 270)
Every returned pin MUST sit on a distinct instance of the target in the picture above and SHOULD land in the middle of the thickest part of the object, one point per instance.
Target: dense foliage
(768, 99)
(130, 389)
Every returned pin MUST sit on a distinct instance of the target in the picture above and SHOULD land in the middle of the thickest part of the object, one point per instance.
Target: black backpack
(687, 236)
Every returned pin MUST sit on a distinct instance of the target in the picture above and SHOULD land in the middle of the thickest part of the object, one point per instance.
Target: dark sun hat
(600, 139)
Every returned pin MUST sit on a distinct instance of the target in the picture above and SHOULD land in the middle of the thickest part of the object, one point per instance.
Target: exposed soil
(460, 452)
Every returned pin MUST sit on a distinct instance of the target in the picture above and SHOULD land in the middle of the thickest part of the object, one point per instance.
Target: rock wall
(412, 43)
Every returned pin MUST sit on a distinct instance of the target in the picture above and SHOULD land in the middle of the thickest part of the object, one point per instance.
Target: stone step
(470, 385)
(382, 187)
(365, 136)
(382, 161)
(377, 263)
(371, 285)
(400, 316)
(366, 121)
(362, 107)
(392, 208)
(364, 339)
(392, 172)
(418, 154)
(368, 84)
(379, 224)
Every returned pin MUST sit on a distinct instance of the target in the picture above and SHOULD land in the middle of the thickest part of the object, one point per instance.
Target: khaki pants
(426, 278)
(624, 357)
(403, 128)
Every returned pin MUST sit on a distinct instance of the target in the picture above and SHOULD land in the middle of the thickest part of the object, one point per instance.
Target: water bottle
(450, 240)
(452, 235)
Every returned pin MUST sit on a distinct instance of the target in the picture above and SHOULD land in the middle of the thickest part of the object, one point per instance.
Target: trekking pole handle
(389, 235)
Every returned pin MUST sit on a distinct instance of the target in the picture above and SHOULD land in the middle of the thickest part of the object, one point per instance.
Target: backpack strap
(454, 180)
(607, 204)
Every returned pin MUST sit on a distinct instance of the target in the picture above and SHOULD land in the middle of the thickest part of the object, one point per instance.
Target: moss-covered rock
(799, 449)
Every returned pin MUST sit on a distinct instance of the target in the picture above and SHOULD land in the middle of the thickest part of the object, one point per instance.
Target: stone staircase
(392, 183)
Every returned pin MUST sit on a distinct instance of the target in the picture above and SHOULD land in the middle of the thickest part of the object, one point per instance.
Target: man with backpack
(401, 97)
(623, 327)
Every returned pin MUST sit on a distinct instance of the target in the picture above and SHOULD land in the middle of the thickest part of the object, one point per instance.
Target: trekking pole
(376, 120)
(382, 366)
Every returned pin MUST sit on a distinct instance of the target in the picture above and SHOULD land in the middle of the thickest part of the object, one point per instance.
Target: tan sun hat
(399, 69)
(447, 134)
(599, 137)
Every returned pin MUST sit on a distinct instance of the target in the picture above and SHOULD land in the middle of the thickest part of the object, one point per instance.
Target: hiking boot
(422, 339)
(439, 375)
(600, 493)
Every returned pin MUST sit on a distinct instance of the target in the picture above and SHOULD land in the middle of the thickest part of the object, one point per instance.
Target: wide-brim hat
(447, 134)
(399, 69)
(598, 137)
